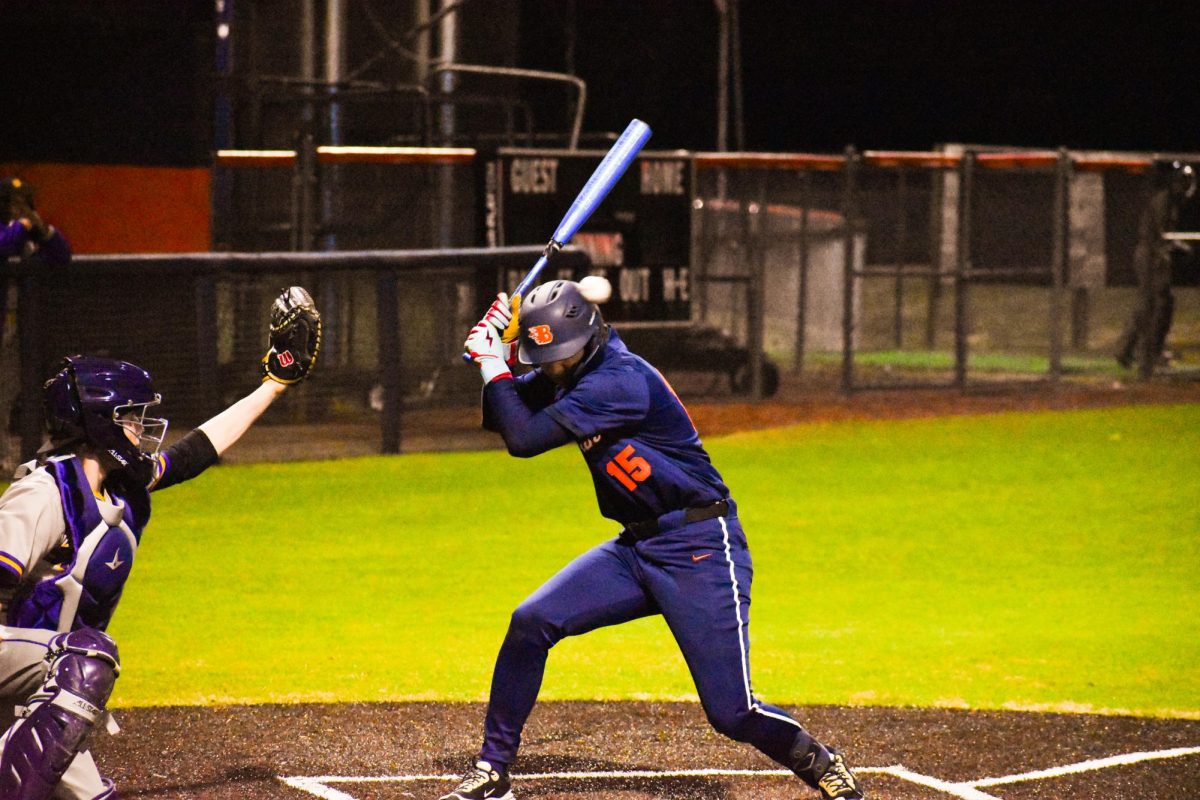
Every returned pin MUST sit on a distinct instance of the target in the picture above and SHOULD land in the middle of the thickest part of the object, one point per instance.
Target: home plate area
(636, 751)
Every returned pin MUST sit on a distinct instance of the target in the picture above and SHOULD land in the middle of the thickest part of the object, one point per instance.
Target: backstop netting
(390, 363)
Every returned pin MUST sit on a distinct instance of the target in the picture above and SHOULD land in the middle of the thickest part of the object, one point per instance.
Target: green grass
(1006, 561)
(977, 362)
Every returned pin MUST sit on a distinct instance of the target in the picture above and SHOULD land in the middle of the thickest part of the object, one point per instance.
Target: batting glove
(501, 317)
(500, 312)
(484, 347)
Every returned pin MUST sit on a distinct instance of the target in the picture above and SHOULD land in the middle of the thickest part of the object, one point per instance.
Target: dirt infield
(636, 751)
(808, 403)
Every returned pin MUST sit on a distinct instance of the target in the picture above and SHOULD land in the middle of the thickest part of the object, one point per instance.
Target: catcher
(69, 530)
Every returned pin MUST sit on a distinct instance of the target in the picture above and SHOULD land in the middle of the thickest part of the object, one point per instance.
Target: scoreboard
(639, 238)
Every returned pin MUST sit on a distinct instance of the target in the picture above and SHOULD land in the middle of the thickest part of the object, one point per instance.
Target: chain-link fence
(345, 198)
(950, 268)
(867, 270)
(391, 353)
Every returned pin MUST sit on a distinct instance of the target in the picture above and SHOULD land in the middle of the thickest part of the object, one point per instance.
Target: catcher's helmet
(556, 322)
(99, 400)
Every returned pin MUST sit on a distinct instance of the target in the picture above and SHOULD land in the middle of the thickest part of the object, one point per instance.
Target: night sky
(132, 80)
(821, 74)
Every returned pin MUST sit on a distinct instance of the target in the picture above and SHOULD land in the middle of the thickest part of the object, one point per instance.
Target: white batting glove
(484, 347)
(503, 317)
(500, 317)
(500, 313)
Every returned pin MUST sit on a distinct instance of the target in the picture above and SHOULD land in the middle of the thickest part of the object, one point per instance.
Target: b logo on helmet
(541, 334)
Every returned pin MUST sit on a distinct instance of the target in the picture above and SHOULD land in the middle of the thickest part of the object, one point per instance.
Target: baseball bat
(607, 173)
(603, 179)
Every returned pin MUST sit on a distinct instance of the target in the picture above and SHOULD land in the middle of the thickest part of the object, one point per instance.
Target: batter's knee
(735, 723)
(531, 624)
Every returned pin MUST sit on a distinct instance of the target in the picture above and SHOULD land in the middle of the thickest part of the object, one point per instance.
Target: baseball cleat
(838, 782)
(484, 783)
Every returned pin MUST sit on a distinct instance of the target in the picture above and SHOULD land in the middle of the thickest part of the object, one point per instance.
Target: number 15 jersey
(643, 451)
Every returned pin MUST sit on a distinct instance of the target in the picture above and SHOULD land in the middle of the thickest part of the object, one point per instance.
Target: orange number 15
(629, 469)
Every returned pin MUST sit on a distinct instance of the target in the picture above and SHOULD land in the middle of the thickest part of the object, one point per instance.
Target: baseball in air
(595, 289)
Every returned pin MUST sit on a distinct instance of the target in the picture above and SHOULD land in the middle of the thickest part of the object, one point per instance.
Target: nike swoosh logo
(701, 557)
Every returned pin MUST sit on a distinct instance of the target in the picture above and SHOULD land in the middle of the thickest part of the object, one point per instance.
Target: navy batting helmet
(556, 323)
(104, 401)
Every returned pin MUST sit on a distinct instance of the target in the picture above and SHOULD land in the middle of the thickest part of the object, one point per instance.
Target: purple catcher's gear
(37, 750)
(85, 590)
(98, 400)
(556, 322)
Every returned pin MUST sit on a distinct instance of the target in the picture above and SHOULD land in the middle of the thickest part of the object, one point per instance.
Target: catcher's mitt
(294, 339)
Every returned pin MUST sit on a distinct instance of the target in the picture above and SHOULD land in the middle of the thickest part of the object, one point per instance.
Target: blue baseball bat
(603, 179)
(607, 173)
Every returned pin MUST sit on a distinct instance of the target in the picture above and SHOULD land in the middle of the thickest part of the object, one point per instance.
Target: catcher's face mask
(146, 432)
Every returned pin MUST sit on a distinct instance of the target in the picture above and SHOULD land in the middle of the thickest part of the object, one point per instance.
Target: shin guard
(54, 725)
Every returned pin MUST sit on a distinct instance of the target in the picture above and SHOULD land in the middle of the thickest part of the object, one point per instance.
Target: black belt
(646, 529)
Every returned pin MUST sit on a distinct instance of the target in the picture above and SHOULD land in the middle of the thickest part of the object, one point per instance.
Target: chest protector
(92, 566)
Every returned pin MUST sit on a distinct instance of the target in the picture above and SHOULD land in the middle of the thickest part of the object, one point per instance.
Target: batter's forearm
(526, 432)
(227, 427)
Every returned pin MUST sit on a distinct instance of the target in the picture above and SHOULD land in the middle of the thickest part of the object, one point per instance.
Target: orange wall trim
(104, 208)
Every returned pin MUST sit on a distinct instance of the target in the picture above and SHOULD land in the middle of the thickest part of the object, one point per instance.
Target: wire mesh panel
(394, 322)
(1013, 274)
(906, 204)
(958, 267)
(1023, 250)
(345, 198)
(256, 200)
(769, 254)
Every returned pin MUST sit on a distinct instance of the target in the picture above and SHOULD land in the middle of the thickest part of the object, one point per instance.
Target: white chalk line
(318, 785)
(1087, 766)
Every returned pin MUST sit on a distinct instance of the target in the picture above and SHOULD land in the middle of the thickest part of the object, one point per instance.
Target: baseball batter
(682, 552)
(69, 531)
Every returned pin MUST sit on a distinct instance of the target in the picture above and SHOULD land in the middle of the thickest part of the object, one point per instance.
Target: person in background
(25, 235)
(1145, 337)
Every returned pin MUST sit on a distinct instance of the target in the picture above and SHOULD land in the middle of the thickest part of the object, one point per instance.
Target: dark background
(132, 81)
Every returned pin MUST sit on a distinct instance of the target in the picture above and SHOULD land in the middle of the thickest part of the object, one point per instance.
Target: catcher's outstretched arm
(227, 427)
(201, 448)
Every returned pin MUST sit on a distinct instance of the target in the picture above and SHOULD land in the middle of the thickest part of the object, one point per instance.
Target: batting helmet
(103, 402)
(556, 322)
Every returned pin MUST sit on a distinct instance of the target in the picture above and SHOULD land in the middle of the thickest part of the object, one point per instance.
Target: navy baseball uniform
(681, 553)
